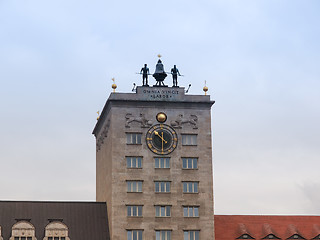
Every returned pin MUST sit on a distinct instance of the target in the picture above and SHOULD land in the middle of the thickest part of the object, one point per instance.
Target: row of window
(272, 236)
(162, 211)
(30, 238)
(24, 230)
(22, 238)
(163, 186)
(162, 162)
(187, 139)
(163, 235)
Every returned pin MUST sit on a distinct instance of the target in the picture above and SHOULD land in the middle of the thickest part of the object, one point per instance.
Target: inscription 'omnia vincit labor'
(160, 94)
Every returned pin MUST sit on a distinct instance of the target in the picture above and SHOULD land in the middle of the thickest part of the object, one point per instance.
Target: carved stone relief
(180, 120)
(145, 123)
(56, 230)
(22, 229)
(103, 135)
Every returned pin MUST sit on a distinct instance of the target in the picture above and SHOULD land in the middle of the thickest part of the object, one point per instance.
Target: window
(134, 234)
(191, 235)
(163, 235)
(296, 236)
(162, 162)
(133, 138)
(190, 187)
(134, 186)
(190, 211)
(190, 163)
(163, 211)
(23, 230)
(134, 162)
(56, 230)
(162, 187)
(189, 139)
(269, 236)
(134, 211)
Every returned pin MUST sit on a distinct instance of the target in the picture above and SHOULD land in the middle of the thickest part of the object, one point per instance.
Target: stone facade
(135, 113)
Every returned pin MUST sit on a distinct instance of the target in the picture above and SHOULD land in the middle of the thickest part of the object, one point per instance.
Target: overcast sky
(260, 59)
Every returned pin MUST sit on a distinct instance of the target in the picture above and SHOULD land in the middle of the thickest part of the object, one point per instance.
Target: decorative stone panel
(56, 229)
(23, 229)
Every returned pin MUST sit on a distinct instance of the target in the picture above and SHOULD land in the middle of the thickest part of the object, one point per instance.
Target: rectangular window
(134, 234)
(190, 211)
(133, 138)
(190, 163)
(190, 187)
(134, 186)
(191, 235)
(162, 187)
(163, 211)
(189, 139)
(134, 162)
(163, 235)
(26, 238)
(161, 162)
(134, 211)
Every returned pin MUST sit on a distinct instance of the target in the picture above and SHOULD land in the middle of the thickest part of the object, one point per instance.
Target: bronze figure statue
(145, 73)
(175, 72)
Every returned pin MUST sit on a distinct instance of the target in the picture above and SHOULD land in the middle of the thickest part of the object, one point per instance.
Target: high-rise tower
(154, 163)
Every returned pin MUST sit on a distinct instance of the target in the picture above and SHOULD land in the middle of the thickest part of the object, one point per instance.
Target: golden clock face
(161, 139)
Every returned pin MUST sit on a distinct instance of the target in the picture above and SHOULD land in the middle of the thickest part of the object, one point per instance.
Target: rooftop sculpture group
(159, 75)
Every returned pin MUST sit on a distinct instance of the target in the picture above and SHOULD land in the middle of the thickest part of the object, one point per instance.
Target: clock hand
(155, 132)
(162, 141)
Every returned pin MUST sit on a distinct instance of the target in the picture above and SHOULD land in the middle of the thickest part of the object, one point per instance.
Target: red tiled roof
(316, 230)
(292, 230)
(267, 230)
(228, 227)
(242, 229)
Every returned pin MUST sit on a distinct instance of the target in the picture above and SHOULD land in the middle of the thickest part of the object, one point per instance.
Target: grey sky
(260, 60)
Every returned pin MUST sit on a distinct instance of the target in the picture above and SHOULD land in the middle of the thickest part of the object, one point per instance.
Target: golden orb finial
(114, 85)
(205, 88)
(159, 56)
(98, 115)
(161, 117)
